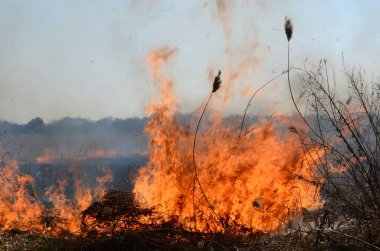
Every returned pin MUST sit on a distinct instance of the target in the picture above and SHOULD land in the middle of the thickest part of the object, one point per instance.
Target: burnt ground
(174, 239)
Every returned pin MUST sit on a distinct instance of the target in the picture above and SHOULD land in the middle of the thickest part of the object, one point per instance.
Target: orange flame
(69, 212)
(101, 153)
(48, 156)
(20, 207)
(261, 187)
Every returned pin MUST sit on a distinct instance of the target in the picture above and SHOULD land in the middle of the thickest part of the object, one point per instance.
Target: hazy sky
(88, 58)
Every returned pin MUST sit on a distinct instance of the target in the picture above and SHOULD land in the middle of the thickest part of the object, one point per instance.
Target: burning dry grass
(261, 187)
(117, 222)
(254, 195)
(19, 207)
(258, 188)
(22, 208)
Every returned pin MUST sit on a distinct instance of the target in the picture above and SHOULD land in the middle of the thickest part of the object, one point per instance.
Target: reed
(215, 87)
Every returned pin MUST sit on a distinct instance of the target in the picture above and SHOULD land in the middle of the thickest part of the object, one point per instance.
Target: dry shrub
(347, 130)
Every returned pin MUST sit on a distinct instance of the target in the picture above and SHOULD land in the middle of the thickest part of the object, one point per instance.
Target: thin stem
(291, 93)
(196, 178)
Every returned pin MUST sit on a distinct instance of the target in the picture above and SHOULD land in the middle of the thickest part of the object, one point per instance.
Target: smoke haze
(88, 59)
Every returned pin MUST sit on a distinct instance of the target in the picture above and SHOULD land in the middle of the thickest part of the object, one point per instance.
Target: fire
(260, 188)
(101, 153)
(21, 207)
(69, 211)
(48, 156)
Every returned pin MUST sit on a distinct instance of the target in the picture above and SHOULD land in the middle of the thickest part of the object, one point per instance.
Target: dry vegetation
(117, 222)
(347, 172)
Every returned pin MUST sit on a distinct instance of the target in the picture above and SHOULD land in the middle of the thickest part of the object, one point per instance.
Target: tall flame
(18, 206)
(260, 188)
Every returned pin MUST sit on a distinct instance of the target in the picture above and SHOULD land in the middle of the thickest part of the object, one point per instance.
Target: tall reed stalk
(215, 87)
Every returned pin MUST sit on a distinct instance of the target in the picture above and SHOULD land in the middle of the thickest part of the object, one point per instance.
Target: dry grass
(117, 222)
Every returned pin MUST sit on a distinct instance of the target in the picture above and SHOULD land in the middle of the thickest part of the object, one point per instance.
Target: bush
(347, 134)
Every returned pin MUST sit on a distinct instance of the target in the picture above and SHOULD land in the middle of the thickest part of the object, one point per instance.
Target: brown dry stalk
(216, 85)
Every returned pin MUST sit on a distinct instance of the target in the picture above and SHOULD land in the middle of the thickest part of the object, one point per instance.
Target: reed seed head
(217, 82)
(288, 26)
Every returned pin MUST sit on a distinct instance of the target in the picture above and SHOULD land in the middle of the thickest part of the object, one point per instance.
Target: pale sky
(88, 58)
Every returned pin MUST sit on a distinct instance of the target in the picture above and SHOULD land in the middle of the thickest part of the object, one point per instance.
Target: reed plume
(288, 26)
(217, 82)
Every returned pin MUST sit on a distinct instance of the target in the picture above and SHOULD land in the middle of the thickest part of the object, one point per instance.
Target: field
(202, 181)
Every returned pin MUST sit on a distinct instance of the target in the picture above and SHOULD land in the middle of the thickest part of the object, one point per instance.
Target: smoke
(71, 138)
(243, 51)
(67, 59)
(223, 10)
